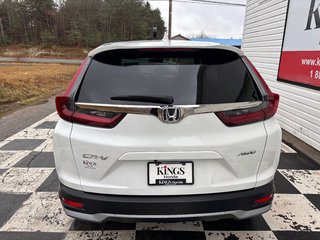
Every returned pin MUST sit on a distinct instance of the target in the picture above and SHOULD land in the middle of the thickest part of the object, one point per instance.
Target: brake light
(246, 116)
(95, 118)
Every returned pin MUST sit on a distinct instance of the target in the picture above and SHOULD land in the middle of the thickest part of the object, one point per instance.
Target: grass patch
(27, 84)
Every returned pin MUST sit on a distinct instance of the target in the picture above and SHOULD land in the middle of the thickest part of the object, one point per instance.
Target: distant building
(179, 37)
(231, 42)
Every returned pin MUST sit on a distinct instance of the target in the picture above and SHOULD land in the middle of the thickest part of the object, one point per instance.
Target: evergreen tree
(77, 22)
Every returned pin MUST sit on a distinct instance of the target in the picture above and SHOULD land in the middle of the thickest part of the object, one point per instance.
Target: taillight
(246, 116)
(62, 103)
(240, 117)
(92, 118)
(273, 103)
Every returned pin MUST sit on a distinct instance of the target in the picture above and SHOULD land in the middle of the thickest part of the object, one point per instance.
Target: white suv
(166, 130)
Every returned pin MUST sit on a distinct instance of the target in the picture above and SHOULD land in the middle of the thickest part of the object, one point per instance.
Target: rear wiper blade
(143, 98)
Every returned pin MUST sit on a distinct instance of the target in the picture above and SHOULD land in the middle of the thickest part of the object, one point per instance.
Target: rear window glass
(191, 76)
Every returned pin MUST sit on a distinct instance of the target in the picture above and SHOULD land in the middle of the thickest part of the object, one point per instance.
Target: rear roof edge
(162, 44)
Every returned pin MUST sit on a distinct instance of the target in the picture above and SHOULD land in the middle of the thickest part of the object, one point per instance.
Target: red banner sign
(300, 58)
(301, 67)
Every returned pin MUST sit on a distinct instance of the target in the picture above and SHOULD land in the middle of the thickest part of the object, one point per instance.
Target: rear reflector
(264, 199)
(72, 203)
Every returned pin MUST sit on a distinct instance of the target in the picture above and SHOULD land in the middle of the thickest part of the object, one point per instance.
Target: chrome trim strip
(159, 111)
(134, 109)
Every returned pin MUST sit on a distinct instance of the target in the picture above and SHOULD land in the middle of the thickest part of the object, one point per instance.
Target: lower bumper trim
(238, 204)
(237, 214)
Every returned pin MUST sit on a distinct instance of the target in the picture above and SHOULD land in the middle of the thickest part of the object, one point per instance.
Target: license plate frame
(170, 180)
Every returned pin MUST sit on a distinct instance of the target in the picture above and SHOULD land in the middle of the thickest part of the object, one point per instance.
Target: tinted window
(189, 76)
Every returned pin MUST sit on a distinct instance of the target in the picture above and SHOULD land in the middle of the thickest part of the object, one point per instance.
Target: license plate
(170, 173)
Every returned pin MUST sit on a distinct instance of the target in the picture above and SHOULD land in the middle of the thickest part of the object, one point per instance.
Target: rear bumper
(100, 207)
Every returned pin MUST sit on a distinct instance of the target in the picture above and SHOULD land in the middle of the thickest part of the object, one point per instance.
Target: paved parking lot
(30, 208)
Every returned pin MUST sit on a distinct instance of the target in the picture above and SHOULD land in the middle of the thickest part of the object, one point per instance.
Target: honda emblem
(170, 114)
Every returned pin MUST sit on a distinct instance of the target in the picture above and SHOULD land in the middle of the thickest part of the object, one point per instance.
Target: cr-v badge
(94, 157)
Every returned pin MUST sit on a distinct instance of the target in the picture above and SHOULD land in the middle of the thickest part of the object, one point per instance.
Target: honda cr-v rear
(161, 129)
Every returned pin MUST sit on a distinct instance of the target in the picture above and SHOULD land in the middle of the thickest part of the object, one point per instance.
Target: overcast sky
(215, 20)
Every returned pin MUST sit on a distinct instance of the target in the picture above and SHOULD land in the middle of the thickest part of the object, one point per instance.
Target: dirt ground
(28, 84)
(20, 51)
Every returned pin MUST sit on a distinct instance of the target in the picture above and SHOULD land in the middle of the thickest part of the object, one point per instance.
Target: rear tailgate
(112, 147)
(115, 161)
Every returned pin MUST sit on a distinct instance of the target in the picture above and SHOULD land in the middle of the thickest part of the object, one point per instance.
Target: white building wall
(299, 109)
